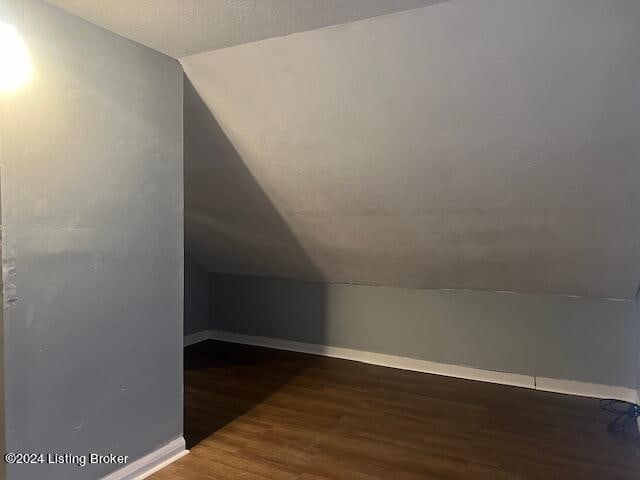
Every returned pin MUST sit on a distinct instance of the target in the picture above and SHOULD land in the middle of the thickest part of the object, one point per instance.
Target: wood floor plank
(256, 413)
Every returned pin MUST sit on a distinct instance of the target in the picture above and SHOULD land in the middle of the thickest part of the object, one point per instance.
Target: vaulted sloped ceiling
(488, 145)
(482, 144)
(185, 27)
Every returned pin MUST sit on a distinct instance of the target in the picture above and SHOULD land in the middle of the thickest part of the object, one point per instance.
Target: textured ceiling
(184, 27)
(488, 145)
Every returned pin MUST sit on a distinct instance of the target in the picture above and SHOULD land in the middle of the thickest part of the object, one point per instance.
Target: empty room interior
(320, 239)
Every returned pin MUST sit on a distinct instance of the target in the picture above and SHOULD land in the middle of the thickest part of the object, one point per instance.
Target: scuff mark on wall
(9, 274)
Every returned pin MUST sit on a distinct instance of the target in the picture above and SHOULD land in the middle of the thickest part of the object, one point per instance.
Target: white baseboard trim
(381, 359)
(152, 462)
(196, 338)
(584, 389)
(569, 387)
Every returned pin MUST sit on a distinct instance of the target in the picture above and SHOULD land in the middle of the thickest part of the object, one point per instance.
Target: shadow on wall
(241, 233)
(231, 226)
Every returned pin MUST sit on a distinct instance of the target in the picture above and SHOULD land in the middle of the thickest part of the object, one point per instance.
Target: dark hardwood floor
(254, 413)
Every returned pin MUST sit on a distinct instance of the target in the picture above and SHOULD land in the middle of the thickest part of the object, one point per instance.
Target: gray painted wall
(636, 304)
(3, 466)
(196, 296)
(490, 145)
(584, 339)
(92, 202)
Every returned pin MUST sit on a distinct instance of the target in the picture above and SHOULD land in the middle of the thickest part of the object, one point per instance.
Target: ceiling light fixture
(15, 63)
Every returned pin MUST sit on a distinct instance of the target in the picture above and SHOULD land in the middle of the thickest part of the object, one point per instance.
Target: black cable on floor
(625, 421)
